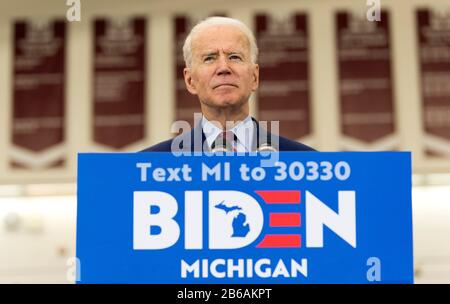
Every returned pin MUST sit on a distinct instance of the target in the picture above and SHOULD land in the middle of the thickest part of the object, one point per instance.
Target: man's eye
(208, 59)
(235, 57)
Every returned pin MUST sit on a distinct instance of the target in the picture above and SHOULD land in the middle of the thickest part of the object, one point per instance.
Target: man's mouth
(225, 85)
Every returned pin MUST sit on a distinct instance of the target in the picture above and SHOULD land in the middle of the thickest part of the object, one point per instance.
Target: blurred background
(345, 75)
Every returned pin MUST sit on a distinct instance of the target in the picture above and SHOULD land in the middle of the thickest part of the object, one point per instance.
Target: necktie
(225, 142)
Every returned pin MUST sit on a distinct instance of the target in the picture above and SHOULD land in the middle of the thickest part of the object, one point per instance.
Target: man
(220, 55)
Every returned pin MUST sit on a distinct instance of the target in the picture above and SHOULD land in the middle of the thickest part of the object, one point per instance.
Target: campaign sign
(307, 217)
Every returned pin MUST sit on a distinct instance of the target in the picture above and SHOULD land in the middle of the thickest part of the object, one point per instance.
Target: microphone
(264, 139)
(266, 147)
(219, 148)
(221, 144)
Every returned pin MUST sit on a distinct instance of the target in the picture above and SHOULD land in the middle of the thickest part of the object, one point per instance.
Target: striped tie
(230, 137)
(225, 142)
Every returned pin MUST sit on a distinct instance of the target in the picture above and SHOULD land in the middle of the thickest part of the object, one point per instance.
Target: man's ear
(255, 77)
(190, 83)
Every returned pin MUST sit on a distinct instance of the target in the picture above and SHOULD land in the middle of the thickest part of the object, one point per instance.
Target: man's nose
(223, 68)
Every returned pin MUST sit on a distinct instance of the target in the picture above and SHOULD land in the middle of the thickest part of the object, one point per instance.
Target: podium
(278, 218)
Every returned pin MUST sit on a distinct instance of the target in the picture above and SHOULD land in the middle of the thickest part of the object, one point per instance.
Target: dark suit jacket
(186, 142)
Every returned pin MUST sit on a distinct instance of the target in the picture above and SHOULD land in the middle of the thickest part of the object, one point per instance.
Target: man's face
(222, 74)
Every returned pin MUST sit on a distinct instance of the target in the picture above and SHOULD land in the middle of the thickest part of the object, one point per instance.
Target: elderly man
(220, 55)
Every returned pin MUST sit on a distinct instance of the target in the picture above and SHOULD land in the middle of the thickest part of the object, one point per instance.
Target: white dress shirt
(243, 130)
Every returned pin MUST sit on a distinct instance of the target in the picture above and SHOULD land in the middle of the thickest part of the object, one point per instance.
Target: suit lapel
(196, 134)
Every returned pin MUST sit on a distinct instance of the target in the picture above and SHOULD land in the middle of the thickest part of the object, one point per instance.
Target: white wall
(37, 237)
(431, 222)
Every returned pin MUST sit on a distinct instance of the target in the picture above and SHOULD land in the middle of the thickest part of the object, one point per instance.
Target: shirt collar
(244, 131)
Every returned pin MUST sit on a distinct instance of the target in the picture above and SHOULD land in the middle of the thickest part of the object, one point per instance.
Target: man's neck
(225, 118)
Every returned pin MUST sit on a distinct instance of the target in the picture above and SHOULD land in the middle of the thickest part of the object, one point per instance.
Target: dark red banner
(365, 82)
(185, 103)
(38, 94)
(283, 93)
(433, 29)
(119, 81)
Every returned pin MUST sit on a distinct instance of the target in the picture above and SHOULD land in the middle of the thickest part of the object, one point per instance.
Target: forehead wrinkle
(208, 52)
(240, 38)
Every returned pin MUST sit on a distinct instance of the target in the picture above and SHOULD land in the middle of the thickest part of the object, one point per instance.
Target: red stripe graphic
(280, 196)
(280, 241)
(284, 219)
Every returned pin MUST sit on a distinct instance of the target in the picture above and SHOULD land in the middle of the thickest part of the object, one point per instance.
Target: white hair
(215, 21)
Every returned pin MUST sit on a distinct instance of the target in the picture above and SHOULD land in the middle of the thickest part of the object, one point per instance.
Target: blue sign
(303, 217)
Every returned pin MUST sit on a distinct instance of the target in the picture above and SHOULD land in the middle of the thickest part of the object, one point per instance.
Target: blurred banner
(38, 94)
(365, 83)
(119, 81)
(185, 104)
(284, 85)
(433, 29)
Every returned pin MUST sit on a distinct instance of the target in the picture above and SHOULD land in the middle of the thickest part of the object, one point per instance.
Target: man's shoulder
(181, 142)
(286, 144)
(164, 146)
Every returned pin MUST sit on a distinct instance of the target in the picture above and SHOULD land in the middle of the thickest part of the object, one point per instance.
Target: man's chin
(226, 103)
